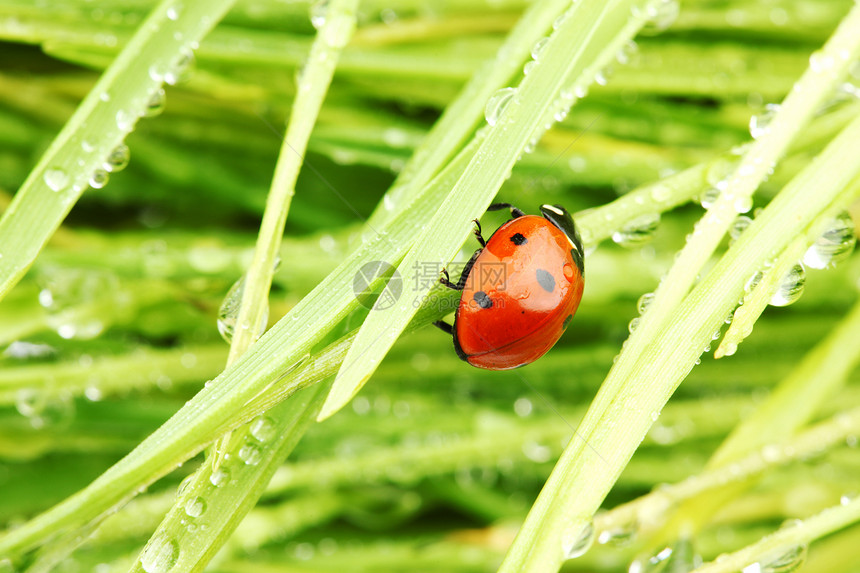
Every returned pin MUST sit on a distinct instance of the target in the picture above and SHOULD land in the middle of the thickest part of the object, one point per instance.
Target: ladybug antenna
(515, 213)
(558, 216)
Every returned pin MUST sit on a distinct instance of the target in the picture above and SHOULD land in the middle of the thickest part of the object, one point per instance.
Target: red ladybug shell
(522, 290)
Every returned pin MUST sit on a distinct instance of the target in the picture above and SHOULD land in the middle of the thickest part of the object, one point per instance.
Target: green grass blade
(101, 123)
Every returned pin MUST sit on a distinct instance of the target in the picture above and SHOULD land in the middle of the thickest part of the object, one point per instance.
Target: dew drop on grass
(79, 302)
(578, 539)
(760, 124)
(658, 15)
(782, 561)
(262, 429)
(228, 314)
(628, 54)
(709, 197)
(159, 555)
(644, 302)
(497, 104)
(220, 477)
(155, 105)
(250, 454)
(739, 225)
(174, 11)
(56, 179)
(790, 287)
(638, 231)
(633, 324)
(117, 160)
(99, 178)
(834, 245)
(181, 68)
(318, 12)
(195, 506)
(621, 535)
(539, 47)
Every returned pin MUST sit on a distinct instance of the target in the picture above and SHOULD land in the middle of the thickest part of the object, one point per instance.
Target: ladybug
(520, 290)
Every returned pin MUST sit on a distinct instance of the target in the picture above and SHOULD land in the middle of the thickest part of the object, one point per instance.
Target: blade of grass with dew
(623, 411)
(221, 498)
(99, 125)
(649, 508)
(262, 446)
(218, 406)
(760, 296)
(787, 540)
(467, 111)
(799, 106)
(791, 405)
(333, 35)
(519, 120)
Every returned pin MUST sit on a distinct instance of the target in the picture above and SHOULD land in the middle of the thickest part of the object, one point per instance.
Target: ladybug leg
(478, 233)
(444, 327)
(499, 206)
(446, 280)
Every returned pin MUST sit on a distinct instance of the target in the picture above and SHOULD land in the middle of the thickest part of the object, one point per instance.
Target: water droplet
(181, 68)
(633, 324)
(628, 54)
(790, 287)
(195, 506)
(125, 120)
(183, 485)
(821, 62)
(578, 539)
(782, 561)
(159, 555)
(539, 47)
(523, 407)
(79, 302)
(621, 535)
(250, 454)
(118, 159)
(174, 11)
(739, 225)
(709, 197)
(753, 281)
(318, 12)
(219, 477)
(99, 179)
(834, 245)
(262, 428)
(497, 104)
(155, 105)
(228, 314)
(644, 302)
(760, 124)
(56, 179)
(743, 204)
(638, 231)
(658, 16)
(528, 67)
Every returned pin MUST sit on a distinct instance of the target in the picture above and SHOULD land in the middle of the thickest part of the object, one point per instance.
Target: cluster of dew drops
(58, 179)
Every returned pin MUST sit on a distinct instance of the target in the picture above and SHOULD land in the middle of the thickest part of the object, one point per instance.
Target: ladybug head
(558, 216)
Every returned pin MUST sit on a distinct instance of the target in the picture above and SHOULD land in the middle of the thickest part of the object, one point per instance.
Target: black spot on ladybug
(518, 239)
(546, 280)
(483, 300)
(566, 321)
